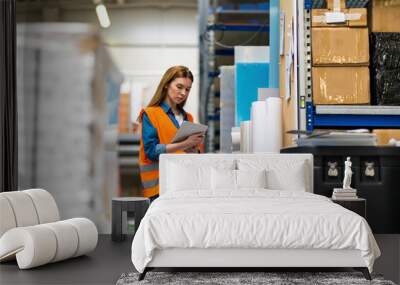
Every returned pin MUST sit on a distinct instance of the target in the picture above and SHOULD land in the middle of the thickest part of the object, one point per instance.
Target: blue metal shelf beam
(315, 120)
(330, 120)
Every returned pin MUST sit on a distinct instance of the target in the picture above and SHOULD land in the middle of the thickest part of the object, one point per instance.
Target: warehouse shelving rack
(332, 116)
(238, 23)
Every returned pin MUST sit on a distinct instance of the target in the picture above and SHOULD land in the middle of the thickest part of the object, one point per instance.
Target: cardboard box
(336, 5)
(339, 46)
(384, 135)
(340, 85)
(355, 17)
(124, 113)
(385, 18)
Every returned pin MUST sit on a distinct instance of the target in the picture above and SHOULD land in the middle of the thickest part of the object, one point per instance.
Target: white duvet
(252, 218)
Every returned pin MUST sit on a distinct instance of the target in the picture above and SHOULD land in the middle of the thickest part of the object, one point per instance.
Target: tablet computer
(188, 129)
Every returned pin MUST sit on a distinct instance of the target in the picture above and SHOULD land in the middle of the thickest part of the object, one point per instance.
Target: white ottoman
(31, 232)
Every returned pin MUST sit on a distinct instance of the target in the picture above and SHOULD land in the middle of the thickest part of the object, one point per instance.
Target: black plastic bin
(385, 68)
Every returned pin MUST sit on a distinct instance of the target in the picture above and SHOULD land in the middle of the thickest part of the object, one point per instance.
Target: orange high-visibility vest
(166, 131)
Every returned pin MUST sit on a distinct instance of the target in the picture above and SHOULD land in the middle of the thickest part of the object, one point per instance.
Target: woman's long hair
(170, 75)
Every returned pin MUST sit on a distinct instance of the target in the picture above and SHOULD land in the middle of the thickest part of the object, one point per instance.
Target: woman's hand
(193, 141)
(188, 145)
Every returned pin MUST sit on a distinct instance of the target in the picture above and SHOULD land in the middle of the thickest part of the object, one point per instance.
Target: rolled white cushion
(7, 218)
(45, 205)
(87, 234)
(67, 240)
(40, 244)
(23, 208)
(33, 246)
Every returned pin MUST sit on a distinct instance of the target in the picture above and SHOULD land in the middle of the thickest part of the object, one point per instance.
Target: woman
(160, 121)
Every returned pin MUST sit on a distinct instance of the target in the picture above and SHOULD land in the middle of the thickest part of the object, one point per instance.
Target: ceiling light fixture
(102, 15)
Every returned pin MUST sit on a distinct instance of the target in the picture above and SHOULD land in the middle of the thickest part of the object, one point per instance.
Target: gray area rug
(228, 278)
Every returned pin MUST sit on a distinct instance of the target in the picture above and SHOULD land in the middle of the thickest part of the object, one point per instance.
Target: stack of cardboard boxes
(340, 55)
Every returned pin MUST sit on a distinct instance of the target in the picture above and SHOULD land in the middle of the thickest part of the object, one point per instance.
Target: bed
(247, 210)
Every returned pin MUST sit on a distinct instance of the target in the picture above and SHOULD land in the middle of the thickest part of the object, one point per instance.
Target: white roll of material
(274, 124)
(235, 133)
(259, 126)
(245, 137)
(267, 125)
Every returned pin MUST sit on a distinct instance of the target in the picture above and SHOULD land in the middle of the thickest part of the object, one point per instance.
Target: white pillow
(251, 178)
(192, 174)
(228, 179)
(281, 174)
(185, 177)
(293, 178)
(223, 179)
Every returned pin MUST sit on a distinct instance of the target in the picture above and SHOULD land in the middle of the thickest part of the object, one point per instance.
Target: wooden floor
(103, 266)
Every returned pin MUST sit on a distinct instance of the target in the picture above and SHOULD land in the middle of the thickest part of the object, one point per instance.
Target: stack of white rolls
(266, 119)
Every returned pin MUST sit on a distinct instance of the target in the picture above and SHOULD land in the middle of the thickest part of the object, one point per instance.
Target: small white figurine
(347, 174)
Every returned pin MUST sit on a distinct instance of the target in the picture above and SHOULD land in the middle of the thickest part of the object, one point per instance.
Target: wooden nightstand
(358, 205)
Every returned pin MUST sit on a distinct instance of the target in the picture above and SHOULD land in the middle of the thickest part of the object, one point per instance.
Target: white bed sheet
(252, 218)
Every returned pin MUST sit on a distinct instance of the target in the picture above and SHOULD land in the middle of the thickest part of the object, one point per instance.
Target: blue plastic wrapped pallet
(251, 73)
(385, 68)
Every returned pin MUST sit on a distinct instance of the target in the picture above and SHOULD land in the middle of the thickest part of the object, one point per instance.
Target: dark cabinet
(376, 176)
(358, 206)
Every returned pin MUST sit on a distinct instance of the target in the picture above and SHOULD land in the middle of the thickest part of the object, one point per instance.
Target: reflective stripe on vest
(150, 183)
(148, 167)
(166, 130)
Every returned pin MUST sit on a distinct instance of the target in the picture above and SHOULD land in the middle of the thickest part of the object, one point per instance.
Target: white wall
(145, 41)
